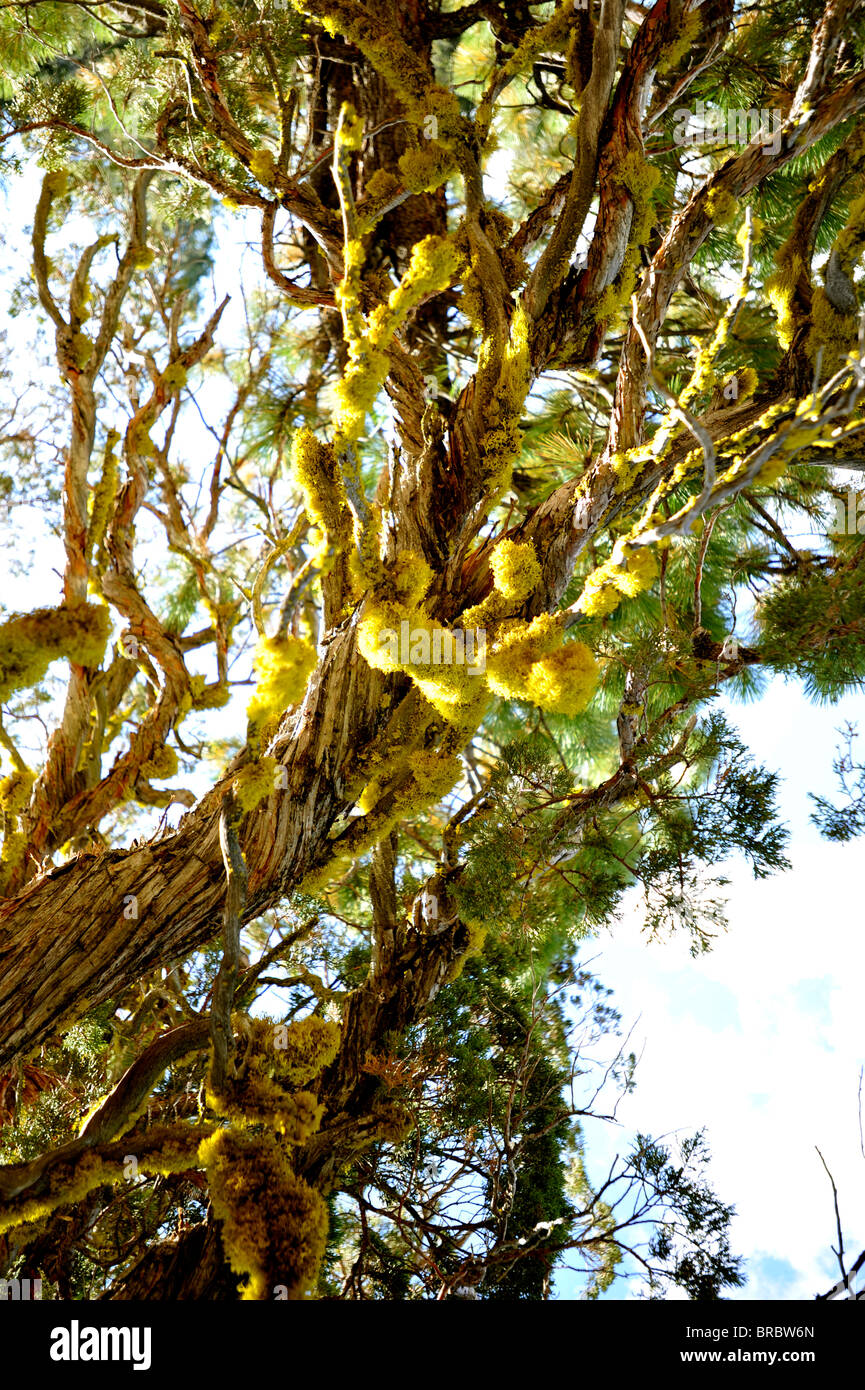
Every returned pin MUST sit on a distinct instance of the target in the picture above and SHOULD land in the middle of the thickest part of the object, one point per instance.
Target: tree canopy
(421, 398)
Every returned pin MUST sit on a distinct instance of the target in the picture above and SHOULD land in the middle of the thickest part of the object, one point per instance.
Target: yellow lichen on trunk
(274, 1225)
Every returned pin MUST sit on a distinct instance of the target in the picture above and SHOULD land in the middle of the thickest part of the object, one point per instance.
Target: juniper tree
(394, 610)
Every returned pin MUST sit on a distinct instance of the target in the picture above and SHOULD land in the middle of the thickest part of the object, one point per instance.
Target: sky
(761, 1040)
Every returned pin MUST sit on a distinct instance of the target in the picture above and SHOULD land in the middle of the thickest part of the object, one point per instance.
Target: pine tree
(404, 557)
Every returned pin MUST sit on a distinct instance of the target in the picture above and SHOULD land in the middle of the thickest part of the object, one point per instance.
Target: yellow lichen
(278, 1059)
(682, 44)
(432, 777)
(318, 879)
(15, 792)
(640, 179)
(610, 582)
(410, 577)
(390, 1121)
(82, 350)
(446, 665)
(515, 569)
(317, 474)
(283, 666)
(380, 192)
(721, 206)
(174, 377)
(501, 441)
(405, 71)
(772, 471)
(102, 501)
(263, 165)
(14, 797)
(758, 226)
(851, 241)
(254, 782)
(208, 696)
(403, 791)
(433, 265)
(550, 37)
(300, 1049)
(836, 333)
(425, 170)
(381, 185)
(741, 384)
(781, 288)
(258, 1099)
(161, 763)
(170, 1149)
(641, 572)
(477, 934)
(530, 663)
(598, 598)
(29, 643)
(274, 1225)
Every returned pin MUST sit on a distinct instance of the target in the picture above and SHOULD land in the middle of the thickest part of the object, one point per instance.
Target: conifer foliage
(424, 404)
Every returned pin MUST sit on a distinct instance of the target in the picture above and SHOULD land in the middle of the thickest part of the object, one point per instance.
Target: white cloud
(761, 1040)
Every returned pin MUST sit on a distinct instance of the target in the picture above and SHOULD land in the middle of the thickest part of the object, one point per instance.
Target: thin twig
(840, 1251)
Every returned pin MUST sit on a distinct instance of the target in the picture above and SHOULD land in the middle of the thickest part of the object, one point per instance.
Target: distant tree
(394, 600)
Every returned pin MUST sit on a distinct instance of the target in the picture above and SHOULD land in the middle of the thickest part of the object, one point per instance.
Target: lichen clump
(396, 633)
(283, 666)
(501, 441)
(676, 50)
(14, 796)
(515, 569)
(425, 170)
(781, 288)
(263, 165)
(606, 586)
(835, 310)
(721, 206)
(279, 1059)
(524, 661)
(316, 473)
(161, 763)
(170, 1149)
(28, 644)
(174, 377)
(530, 663)
(300, 1049)
(434, 264)
(744, 381)
(254, 782)
(258, 1099)
(832, 331)
(422, 778)
(213, 695)
(274, 1225)
(102, 501)
(640, 180)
